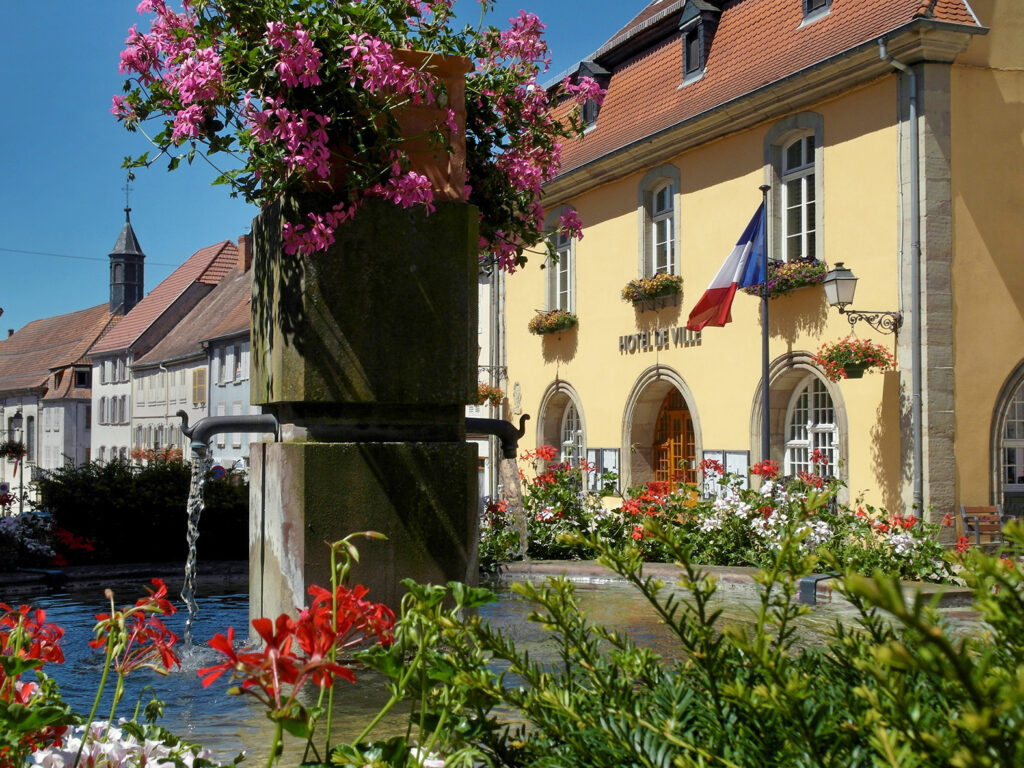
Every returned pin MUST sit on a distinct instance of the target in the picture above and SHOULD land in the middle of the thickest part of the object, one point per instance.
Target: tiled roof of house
(224, 311)
(206, 266)
(757, 42)
(28, 357)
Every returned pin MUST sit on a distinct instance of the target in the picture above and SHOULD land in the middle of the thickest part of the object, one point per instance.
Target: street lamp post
(15, 426)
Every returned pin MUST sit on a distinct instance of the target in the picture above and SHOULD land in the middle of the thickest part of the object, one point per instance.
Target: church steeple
(126, 269)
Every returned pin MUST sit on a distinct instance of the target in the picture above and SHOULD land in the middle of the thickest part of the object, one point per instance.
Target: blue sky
(62, 184)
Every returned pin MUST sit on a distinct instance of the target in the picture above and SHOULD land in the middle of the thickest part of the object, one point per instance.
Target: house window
(561, 275)
(798, 199)
(221, 411)
(571, 433)
(658, 221)
(811, 426)
(30, 438)
(236, 357)
(222, 366)
(662, 239)
(600, 461)
(793, 153)
(814, 9)
(103, 410)
(236, 437)
(692, 58)
(88, 417)
(138, 437)
(199, 386)
(244, 367)
(101, 454)
(83, 379)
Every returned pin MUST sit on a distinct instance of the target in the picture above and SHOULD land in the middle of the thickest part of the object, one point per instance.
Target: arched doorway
(674, 446)
(661, 429)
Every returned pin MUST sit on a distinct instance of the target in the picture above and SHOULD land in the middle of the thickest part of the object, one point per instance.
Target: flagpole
(765, 383)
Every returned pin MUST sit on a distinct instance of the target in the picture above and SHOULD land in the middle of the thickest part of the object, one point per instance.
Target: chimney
(10, 332)
(244, 252)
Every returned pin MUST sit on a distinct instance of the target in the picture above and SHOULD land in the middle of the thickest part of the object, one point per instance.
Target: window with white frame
(236, 357)
(138, 437)
(221, 411)
(814, 9)
(659, 221)
(561, 277)
(222, 366)
(661, 234)
(798, 199)
(1012, 444)
(101, 454)
(811, 426)
(571, 434)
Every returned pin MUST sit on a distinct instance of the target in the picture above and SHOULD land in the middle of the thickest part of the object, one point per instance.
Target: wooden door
(674, 449)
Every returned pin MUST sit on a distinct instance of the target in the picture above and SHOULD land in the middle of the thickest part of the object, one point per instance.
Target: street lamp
(840, 285)
(15, 426)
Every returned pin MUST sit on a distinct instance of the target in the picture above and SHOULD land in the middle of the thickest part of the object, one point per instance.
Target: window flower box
(786, 276)
(552, 321)
(487, 394)
(12, 450)
(647, 289)
(849, 358)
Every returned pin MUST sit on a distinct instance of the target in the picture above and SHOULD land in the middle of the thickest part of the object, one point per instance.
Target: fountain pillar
(366, 353)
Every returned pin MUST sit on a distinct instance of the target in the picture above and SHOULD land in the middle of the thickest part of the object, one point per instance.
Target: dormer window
(697, 24)
(815, 9)
(591, 107)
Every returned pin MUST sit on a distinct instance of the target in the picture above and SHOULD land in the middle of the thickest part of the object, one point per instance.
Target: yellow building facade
(706, 103)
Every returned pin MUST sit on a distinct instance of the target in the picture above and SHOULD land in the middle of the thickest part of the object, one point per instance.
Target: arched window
(810, 426)
(798, 199)
(571, 432)
(1011, 454)
(674, 447)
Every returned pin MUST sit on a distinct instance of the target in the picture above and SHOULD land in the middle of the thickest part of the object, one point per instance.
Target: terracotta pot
(446, 170)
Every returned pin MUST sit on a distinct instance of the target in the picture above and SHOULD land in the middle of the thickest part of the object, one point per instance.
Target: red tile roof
(222, 312)
(758, 42)
(208, 266)
(28, 358)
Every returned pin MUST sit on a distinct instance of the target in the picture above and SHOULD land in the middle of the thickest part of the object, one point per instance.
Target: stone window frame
(776, 140)
(652, 182)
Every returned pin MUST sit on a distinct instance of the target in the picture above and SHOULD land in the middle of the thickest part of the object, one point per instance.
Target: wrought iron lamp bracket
(883, 322)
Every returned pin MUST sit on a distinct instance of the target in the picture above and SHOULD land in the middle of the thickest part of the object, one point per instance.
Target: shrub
(654, 287)
(26, 541)
(132, 513)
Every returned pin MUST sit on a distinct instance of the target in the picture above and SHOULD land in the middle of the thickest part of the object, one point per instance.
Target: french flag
(742, 268)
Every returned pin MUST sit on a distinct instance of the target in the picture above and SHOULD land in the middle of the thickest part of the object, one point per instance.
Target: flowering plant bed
(848, 358)
(552, 322)
(487, 394)
(335, 103)
(786, 276)
(653, 287)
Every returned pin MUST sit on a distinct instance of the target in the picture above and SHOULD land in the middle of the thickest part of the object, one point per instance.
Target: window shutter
(648, 234)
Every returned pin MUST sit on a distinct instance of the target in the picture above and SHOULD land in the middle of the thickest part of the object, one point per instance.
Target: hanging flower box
(12, 450)
(487, 394)
(647, 289)
(849, 358)
(787, 276)
(552, 322)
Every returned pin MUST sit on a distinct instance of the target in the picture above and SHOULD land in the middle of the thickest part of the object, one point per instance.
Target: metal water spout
(505, 431)
(208, 426)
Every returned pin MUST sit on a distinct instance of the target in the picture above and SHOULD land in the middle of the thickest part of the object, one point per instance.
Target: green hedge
(133, 513)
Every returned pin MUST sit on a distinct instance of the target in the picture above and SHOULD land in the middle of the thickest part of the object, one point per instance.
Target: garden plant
(897, 685)
(307, 100)
(736, 526)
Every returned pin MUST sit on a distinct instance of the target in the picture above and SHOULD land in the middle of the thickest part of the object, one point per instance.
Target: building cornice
(922, 40)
